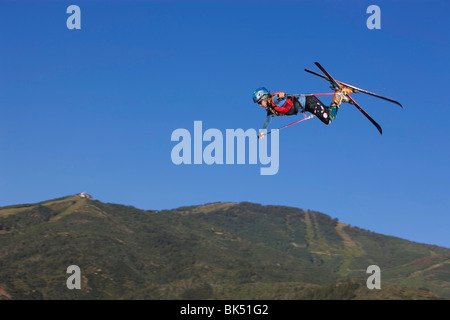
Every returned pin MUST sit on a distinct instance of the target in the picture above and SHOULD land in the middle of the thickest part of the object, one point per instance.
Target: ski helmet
(259, 93)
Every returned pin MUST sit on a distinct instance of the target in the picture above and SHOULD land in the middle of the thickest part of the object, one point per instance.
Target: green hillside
(213, 251)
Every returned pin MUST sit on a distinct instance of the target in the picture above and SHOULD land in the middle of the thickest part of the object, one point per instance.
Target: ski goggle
(263, 97)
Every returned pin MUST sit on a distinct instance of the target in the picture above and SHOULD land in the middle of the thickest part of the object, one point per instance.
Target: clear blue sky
(93, 109)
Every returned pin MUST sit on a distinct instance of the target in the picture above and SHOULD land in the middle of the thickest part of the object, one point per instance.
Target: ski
(356, 89)
(336, 86)
(352, 101)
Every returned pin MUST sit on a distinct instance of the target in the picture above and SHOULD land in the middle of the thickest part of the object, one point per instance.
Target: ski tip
(393, 101)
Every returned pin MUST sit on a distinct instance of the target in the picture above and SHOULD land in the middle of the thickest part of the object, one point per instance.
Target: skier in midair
(282, 104)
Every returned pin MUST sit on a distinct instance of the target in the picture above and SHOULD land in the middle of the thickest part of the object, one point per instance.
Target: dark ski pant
(317, 108)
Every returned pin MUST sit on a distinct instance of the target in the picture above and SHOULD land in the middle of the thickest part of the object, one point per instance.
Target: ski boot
(341, 96)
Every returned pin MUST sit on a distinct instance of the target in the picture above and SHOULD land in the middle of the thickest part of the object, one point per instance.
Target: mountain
(212, 251)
